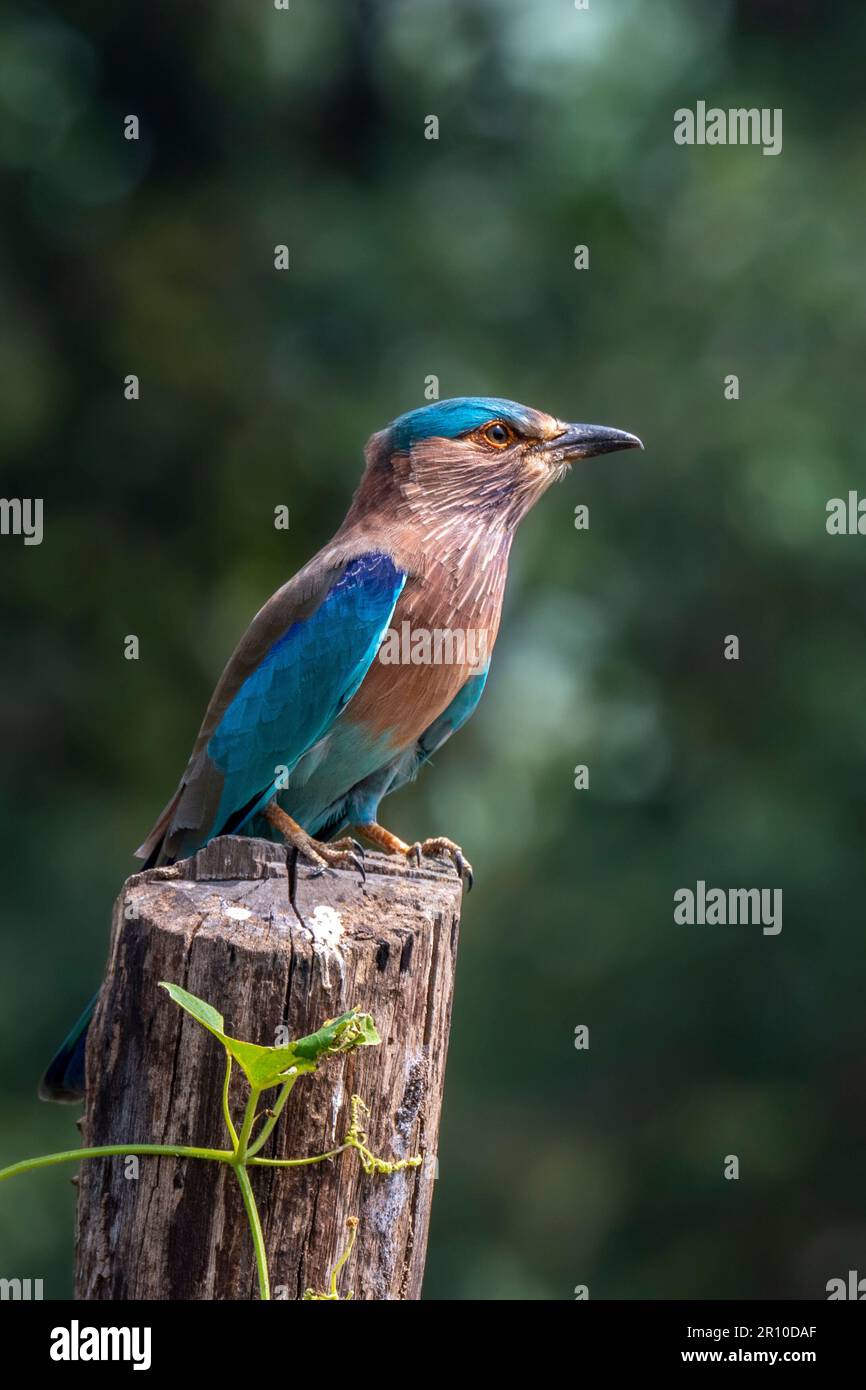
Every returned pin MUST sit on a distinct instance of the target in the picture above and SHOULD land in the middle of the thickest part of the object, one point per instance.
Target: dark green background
(412, 257)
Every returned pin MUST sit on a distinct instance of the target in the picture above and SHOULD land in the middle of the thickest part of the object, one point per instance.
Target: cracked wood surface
(221, 925)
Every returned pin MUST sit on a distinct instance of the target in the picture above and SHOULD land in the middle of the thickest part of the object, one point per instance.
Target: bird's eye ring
(497, 434)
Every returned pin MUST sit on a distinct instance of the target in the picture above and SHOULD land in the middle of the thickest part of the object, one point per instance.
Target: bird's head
(483, 455)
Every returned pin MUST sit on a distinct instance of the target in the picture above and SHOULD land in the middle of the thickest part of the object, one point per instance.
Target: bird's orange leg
(337, 854)
(392, 844)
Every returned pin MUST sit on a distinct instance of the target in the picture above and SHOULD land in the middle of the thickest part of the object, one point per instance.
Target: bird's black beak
(585, 441)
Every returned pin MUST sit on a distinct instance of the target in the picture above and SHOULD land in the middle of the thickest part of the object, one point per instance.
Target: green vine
(332, 1296)
(264, 1068)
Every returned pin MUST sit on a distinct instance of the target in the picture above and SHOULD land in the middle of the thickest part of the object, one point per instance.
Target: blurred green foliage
(455, 257)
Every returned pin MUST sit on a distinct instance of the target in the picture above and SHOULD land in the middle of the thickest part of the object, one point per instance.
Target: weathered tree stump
(221, 925)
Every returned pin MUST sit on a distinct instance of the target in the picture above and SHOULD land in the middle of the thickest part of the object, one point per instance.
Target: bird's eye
(497, 434)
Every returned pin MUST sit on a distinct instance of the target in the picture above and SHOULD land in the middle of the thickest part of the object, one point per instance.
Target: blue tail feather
(64, 1077)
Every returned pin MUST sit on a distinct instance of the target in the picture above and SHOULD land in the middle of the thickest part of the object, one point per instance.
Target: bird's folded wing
(408, 764)
(452, 718)
(293, 672)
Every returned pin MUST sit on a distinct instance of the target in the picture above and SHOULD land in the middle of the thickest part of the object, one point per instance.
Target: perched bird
(339, 691)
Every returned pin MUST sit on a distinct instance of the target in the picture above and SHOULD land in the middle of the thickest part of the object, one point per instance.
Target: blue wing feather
(301, 686)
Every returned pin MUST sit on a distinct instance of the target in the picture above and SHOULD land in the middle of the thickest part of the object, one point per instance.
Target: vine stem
(297, 1162)
(241, 1147)
(110, 1150)
(352, 1223)
(262, 1137)
(227, 1114)
(252, 1210)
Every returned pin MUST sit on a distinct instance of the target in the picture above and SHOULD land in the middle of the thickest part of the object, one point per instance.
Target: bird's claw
(335, 854)
(355, 862)
(439, 845)
(464, 869)
(345, 853)
(348, 842)
(339, 859)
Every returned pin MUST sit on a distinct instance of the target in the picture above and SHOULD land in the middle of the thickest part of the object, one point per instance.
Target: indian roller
(309, 727)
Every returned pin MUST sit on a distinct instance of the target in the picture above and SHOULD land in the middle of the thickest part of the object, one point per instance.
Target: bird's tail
(152, 846)
(64, 1077)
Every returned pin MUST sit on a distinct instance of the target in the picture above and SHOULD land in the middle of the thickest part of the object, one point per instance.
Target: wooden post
(221, 925)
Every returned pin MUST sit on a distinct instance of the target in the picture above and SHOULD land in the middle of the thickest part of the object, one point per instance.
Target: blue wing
(290, 678)
(451, 719)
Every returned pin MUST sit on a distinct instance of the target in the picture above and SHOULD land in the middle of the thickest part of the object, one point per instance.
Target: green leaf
(203, 1013)
(265, 1067)
(251, 1058)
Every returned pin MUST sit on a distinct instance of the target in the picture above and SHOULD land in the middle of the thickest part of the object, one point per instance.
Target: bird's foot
(336, 854)
(437, 845)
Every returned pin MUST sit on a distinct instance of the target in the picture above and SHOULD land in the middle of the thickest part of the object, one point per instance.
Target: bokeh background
(412, 257)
